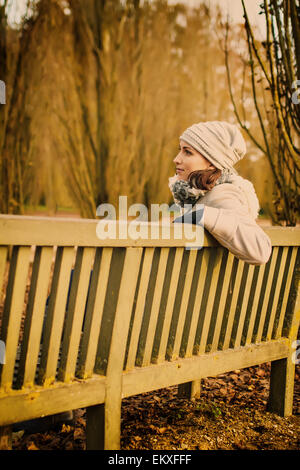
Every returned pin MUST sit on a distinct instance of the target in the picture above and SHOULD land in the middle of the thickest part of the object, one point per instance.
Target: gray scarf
(184, 193)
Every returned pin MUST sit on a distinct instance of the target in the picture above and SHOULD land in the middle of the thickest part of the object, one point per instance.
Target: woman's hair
(204, 179)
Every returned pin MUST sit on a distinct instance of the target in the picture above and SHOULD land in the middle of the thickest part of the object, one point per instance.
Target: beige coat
(227, 218)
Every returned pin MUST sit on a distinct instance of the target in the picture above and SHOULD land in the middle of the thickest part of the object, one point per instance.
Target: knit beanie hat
(220, 142)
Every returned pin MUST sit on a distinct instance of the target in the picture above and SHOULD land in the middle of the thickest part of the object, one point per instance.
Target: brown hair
(204, 179)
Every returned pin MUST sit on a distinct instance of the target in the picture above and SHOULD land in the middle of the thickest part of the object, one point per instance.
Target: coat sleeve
(227, 219)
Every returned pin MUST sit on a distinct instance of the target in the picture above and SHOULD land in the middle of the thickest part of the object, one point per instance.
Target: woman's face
(188, 159)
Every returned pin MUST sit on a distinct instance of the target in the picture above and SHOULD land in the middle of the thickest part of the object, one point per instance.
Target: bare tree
(274, 67)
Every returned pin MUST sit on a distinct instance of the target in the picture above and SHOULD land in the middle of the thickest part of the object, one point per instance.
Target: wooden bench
(142, 315)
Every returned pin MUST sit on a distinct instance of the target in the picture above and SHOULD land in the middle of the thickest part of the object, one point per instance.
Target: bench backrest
(73, 305)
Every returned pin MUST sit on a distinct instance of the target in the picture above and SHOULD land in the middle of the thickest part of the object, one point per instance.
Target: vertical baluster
(211, 299)
(53, 324)
(184, 303)
(278, 331)
(94, 312)
(155, 305)
(263, 310)
(221, 309)
(253, 312)
(76, 307)
(206, 259)
(241, 322)
(3, 256)
(139, 309)
(279, 278)
(34, 315)
(12, 312)
(170, 304)
(235, 294)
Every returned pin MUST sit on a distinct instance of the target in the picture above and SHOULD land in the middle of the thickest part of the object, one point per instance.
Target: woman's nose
(177, 159)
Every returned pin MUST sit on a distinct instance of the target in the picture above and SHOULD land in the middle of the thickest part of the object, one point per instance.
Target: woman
(205, 175)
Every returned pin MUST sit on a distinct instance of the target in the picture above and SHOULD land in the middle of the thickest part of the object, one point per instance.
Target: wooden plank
(94, 313)
(221, 309)
(278, 332)
(74, 319)
(55, 314)
(263, 311)
(3, 256)
(184, 303)
(28, 403)
(198, 300)
(139, 309)
(235, 294)
(276, 293)
(34, 315)
(255, 303)
(43, 231)
(170, 305)
(113, 395)
(211, 300)
(12, 312)
(245, 300)
(155, 305)
(32, 230)
(169, 373)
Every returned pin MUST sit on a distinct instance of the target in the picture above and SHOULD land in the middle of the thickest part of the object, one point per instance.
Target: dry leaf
(66, 428)
(162, 430)
(78, 433)
(32, 446)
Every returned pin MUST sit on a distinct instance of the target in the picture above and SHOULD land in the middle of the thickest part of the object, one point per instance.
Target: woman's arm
(226, 218)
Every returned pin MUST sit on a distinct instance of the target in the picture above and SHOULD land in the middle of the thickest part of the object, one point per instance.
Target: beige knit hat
(220, 142)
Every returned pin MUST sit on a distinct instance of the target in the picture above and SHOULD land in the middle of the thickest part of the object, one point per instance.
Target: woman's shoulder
(239, 197)
(225, 190)
(226, 196)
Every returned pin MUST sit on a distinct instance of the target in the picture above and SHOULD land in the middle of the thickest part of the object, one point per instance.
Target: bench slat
(233, 306)
(3, 256)
(34, 315)
(12, 312)
(75, 313)
(184, 303)
(254, 307)
(94, 312)
(278, 285)
(278, 331)
(206, 260)
(223, 296)
(158, 291)
(267, 290)
(215, 279)
(170, 305)
(53, 325)
(139, 309)
(245, 300)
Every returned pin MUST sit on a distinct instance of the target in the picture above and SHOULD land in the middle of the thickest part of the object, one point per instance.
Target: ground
(230, 415)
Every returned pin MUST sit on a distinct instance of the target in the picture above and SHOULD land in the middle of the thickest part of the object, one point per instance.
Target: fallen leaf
(32, 446)
(78, 433)
(162, 430)
(66, 428)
